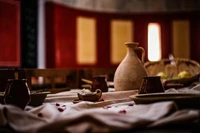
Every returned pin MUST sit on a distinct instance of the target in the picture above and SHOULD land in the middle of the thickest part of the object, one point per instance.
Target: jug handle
(143, 53)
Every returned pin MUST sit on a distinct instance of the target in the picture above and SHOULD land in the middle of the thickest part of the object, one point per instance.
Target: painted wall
(66, 40)
(71, 31)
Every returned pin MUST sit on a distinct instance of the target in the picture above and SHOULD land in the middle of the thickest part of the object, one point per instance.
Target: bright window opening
(154, 42)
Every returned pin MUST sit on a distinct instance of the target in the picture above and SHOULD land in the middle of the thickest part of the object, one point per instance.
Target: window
(154, 42)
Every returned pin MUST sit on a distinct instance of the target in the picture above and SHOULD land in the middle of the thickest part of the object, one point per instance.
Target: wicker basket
(172, 68)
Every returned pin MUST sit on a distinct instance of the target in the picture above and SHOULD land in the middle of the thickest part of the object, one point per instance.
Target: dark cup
(151, 84)
(17, 93)
(99, 82)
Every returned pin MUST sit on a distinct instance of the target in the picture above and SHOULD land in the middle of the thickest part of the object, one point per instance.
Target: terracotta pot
(130, 72)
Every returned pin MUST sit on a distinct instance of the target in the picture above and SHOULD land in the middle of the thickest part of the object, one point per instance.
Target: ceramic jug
(130, 72)
(17, 92)
(99, 82)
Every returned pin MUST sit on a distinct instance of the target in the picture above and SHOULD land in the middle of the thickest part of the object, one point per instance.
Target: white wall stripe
(41, 59)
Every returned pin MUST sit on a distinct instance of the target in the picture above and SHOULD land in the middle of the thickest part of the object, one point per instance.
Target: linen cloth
(117, 112)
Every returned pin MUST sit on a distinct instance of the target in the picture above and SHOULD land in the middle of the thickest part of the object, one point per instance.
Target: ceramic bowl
(38, 98)
(90, 96)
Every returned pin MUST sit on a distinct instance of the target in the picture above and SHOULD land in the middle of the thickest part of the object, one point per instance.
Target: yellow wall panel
(121, 32)
(86, 40)
(181, 38)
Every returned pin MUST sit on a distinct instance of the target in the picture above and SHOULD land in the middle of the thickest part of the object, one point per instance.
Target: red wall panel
(65, 37)
(103, 42)
(60, 36)
(195, 41)
(9, 33)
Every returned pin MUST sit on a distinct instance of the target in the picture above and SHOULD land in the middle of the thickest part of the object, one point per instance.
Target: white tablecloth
(117, 112)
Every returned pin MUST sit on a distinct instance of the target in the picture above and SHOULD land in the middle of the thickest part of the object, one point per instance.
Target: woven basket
(172, 68)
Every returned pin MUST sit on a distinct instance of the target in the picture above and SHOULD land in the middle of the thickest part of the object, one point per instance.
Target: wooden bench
(8, 73)
(55, 80)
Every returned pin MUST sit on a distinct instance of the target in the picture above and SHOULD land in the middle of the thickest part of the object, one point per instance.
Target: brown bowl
(92, 96)
(38, 98)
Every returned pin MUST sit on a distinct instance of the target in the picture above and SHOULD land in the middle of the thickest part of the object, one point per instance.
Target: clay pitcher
(99, 82)
(130, 72)
(17, 93)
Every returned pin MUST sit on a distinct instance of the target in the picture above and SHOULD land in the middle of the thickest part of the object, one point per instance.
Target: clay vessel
(17, 93)
(130, 72)
(99, 82)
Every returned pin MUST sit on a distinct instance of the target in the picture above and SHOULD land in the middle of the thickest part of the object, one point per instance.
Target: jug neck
(131, 47)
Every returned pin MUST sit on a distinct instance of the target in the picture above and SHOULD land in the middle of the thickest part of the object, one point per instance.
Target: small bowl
(38, 98)
(90, 96)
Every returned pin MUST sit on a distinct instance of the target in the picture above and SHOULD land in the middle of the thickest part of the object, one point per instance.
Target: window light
(154, 42)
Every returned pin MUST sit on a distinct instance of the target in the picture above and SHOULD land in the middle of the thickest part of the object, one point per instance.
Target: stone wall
(133, 5)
